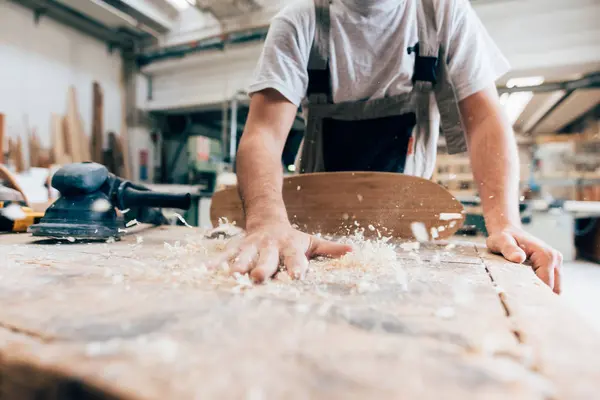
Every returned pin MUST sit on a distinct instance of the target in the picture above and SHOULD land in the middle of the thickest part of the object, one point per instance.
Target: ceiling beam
(572, 107)
(539, 106)
(78, 21)
(589, 81)
(146, 12)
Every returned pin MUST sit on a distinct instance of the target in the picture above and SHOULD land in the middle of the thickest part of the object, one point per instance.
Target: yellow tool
(12, 196)
(20, 224)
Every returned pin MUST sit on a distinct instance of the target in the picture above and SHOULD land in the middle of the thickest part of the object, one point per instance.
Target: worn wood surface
(564, 348)
(335, 202)
(139, 319)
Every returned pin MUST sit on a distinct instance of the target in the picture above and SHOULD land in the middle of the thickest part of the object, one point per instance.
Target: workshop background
(155, 90)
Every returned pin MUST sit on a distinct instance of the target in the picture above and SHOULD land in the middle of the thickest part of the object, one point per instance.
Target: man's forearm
(260, 178)
(495, 164)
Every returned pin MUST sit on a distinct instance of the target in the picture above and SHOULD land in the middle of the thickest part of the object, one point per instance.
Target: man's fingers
(557, 280)
(506, 245)
(546, 274)
(224, 257)
(321, 247)
(245, 259)
(296, 263)
(545, 262)
(558, 273)
(267, 264)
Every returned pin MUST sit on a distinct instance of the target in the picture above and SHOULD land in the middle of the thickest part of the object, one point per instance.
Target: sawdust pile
(191, 262)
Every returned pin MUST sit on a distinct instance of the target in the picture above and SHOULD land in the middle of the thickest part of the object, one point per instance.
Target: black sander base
(89, 196)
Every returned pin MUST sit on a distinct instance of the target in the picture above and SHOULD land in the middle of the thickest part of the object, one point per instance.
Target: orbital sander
(89, 198)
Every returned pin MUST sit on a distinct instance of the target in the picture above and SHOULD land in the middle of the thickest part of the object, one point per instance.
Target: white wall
(38, 63)
(556, 38)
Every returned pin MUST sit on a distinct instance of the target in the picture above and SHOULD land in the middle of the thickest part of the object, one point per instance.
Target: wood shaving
(125, 211)
(419, 231)
(359, 197)
(324, 309)
(183, 221)
(434, 233)
(366, 287)
(410, 246)
(450, 216)
(445, 312)
(302, 308)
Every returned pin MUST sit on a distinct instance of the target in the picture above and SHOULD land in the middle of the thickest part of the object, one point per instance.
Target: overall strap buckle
(425, 67)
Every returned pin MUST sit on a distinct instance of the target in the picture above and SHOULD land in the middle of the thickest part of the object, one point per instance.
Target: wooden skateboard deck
(340, 202)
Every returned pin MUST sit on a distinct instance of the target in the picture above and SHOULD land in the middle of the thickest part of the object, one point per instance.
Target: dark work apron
(391, 134)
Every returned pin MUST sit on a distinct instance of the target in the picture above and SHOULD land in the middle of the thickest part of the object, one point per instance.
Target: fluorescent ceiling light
(526, 81)
(182, 4)
(515, 103)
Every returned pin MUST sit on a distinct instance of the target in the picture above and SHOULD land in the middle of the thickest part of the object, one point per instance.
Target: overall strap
(319, 78)
(425, 76)
(431, 72)
(318, 91)
(427, 49)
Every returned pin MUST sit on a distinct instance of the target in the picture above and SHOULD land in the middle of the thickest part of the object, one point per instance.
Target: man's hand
(495, 163)
(268, 246)
(517, 246)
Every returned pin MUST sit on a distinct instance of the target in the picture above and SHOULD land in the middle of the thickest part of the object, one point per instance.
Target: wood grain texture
(97, 124)
(564, 347)
(134, 321)
(335, 202)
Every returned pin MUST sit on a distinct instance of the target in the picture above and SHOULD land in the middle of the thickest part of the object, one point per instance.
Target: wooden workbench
(139, 319)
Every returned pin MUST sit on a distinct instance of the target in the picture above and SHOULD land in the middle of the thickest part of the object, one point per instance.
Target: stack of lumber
(97, 124)
(69, 142)
(454, 173)
(76, 145)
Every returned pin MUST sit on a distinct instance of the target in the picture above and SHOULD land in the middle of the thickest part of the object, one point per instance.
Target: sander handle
(130, 197)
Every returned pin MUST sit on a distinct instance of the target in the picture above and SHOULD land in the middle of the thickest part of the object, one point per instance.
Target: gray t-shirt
(368, 43)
